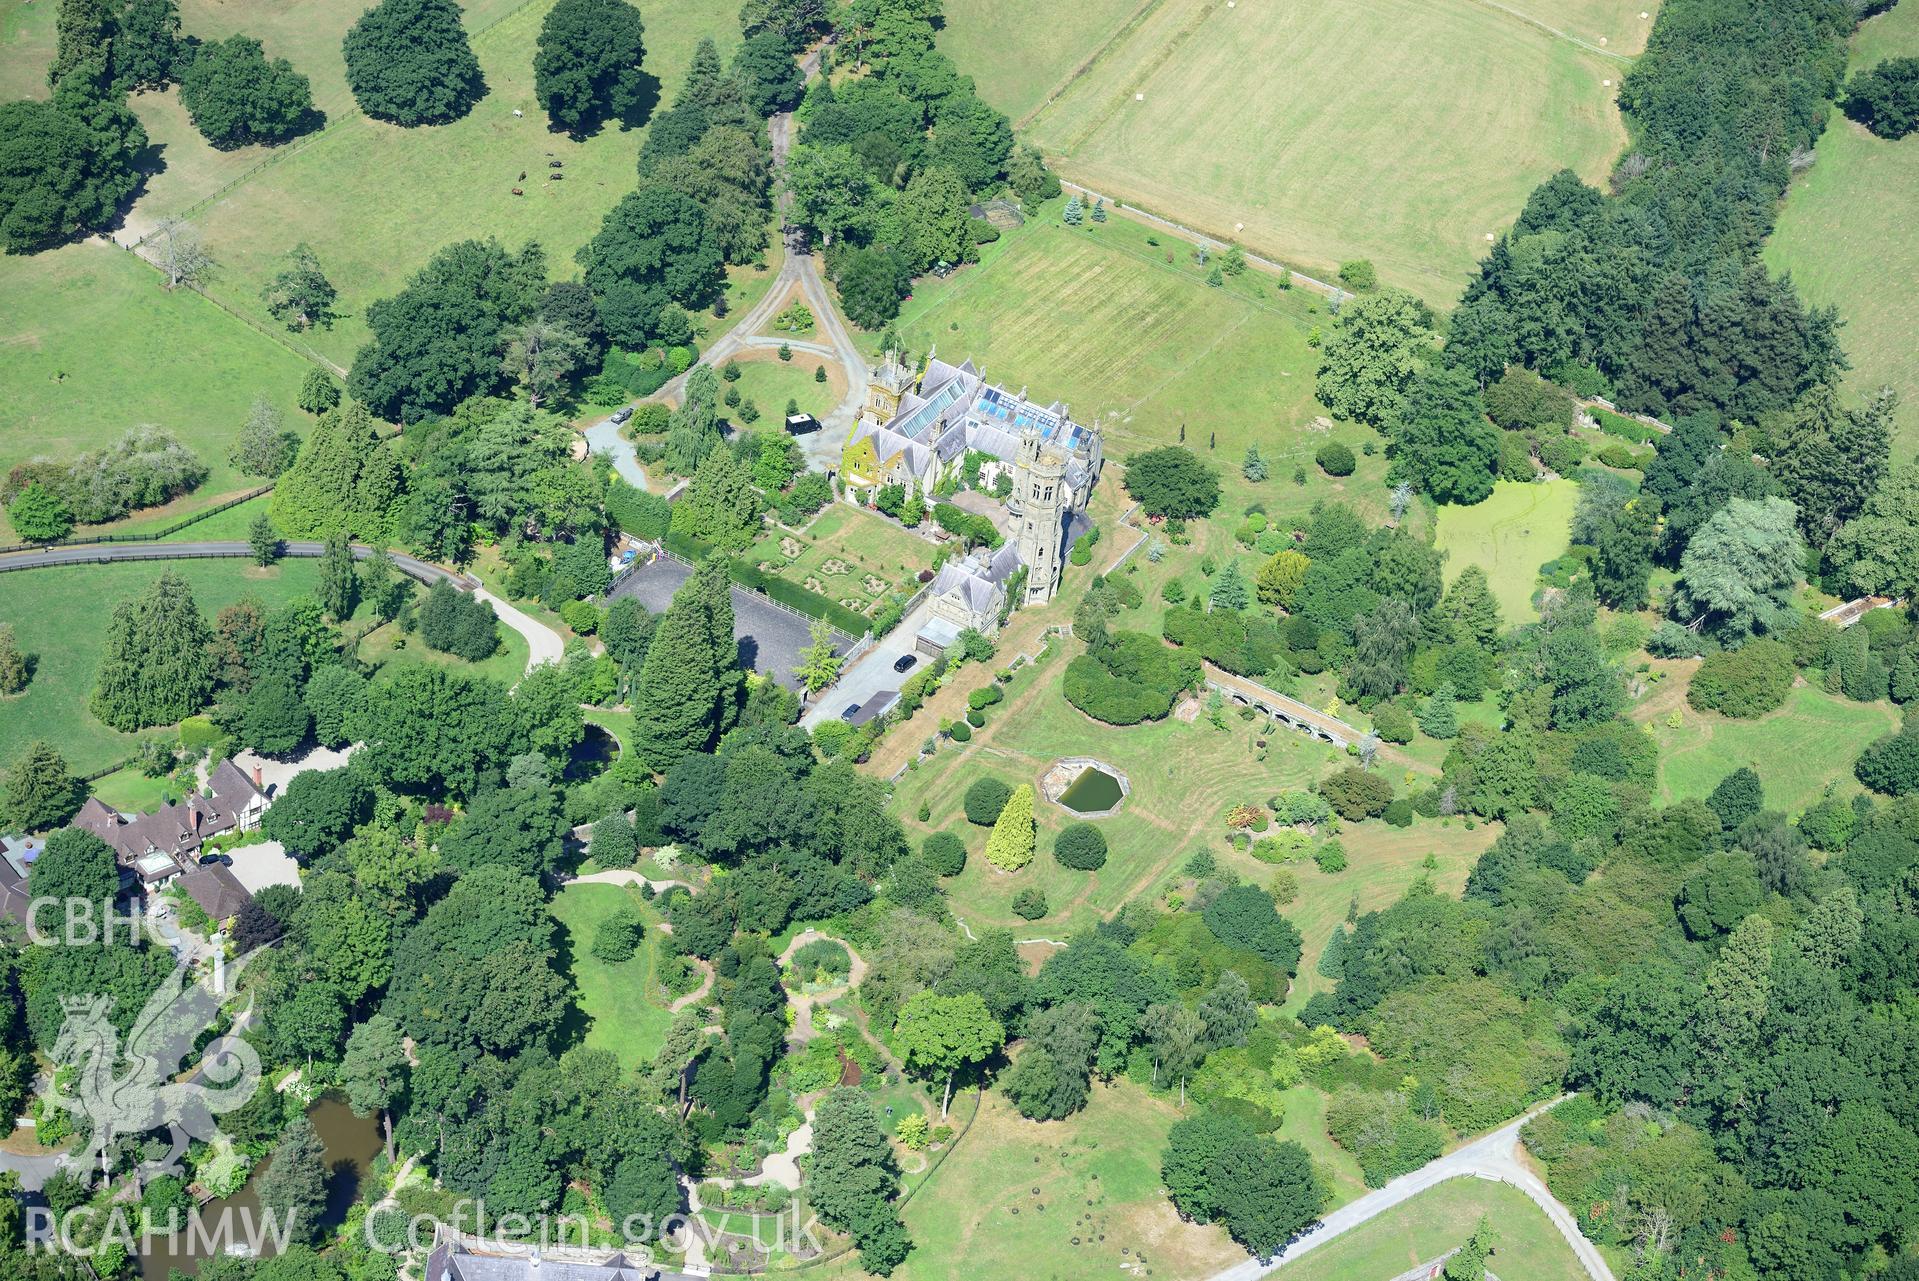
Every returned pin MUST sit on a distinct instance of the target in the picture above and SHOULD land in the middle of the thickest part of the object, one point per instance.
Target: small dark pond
(1094, 790)
(351, 1143)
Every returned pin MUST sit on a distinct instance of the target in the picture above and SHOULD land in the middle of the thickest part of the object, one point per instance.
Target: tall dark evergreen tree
(157, 668)
(688, 686)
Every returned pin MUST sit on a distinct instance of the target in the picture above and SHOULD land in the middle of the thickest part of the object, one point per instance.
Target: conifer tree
(293, 1188)
(688, 682)
(339, 585)
(1010, 847)
(41, 791)
(157, 669)
(14, 671)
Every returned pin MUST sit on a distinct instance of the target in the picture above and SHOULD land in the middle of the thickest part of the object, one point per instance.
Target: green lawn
(1528, 1248)
(26, 47)
(91, 345)
(1183, 778)
(59, 615)
(1130, 336)
(771, 382)
(618, 998)
(1510, 535)
(375, 200)
(1797, 751)
(1846, 235)
(130, 791)
(1292, 119)
(1097, 1175)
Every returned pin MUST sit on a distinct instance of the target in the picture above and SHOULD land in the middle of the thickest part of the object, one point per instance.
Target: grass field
(386, 645)
(26, 47)
(91, 345)
(1098, 1176)
(1291, 118)
(416, 190)
(1510, 536)
(1528, 1248)
(1129, 335)
(59, 615)
(617, 997)
(1797, 751)
(1845, 235)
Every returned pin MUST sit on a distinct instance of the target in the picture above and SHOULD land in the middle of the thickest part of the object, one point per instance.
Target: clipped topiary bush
(945, 853)
(985, 799)
(1030, 903)
(1081, 846)
(1335, 459)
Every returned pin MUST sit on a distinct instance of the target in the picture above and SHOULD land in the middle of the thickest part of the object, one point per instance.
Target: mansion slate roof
(956, 409)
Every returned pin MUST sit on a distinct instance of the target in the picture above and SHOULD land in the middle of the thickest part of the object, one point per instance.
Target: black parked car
(905, 662)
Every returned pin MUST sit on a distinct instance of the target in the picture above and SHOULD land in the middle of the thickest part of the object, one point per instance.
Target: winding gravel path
(1491, 1157)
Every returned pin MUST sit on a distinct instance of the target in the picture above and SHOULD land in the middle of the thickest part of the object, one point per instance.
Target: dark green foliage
(1130, 679)
(1890, 764)
(274, 720)
(654, 251)
(872, 283)
(434, 730)
(1441, 440)
(853, 1180)
(66, 166)
(147, 48)
(945, 853)
(1080, 846)
(618, 937)
(1724, 892)
(1523, 401)
(334, 699)
(438, 341)
(1172, 481)
(1356, 794)
(1264, 1192)
(768, 76)
(1244, 917)
(636, 511)
(1749, 681)
(318, 810)
(40, 791)
(156, 669)
(1049, 1078)
(514, 827)
(1737, 797)
(294, 1187)
(985, 799)
(1383, 1132)
(1885, 97)
(236, 96)
(1030, 903)
(1335, 459)
(457, 622)
(408, 61)
(587, 68)
(1251, 646)
(74, 864)
(687, 689)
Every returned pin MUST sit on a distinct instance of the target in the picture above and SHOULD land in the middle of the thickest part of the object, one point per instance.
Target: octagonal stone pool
(1089, 788)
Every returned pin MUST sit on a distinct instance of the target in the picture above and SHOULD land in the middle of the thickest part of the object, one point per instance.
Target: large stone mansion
(916, 430)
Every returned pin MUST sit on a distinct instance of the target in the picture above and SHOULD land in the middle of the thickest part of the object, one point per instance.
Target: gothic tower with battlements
(1038, 500)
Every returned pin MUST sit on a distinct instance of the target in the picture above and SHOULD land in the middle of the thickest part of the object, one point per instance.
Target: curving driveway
(543, 644)
(1491, 1157)
(801, 269)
